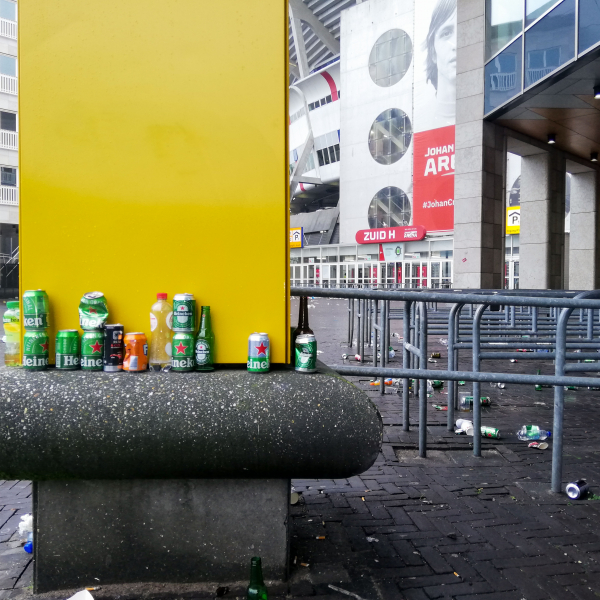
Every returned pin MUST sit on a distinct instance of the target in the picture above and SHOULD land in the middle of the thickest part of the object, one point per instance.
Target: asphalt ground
(449, 526)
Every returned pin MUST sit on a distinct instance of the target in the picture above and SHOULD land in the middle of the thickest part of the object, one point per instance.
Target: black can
(113, 347)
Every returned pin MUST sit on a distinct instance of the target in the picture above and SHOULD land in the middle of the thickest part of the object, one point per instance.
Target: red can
(136, 352)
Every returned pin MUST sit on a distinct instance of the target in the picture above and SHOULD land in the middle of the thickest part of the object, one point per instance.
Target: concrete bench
(172, 477)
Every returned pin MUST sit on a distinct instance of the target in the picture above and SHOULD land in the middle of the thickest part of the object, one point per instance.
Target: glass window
(504, 21)
(8, 10)
(390, 136)
(295, 256)
(348, 254)
(329, 255)
(8, 65)
(389, 208)
(589, 24)
(550, 42)
(390, 58)
(8, 121)
(503, 76)
(536, 8)
(9, 176)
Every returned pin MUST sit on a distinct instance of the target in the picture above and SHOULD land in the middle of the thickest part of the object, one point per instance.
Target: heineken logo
(262, 349)
(96, 347)
(183, 363)
(35, 361)
(255, 364)
(91, 323)
(89, 362)
(69, 360)
(181, 348)
(183, 314)
(44, 347)
(202, 352)
(33, 321)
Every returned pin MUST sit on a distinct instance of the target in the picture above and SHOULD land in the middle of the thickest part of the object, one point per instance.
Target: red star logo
(262, 349)
(93, 311)
(181, 348)
(44, 346)
(96, 347)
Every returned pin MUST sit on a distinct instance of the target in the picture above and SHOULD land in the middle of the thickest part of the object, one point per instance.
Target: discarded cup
(577, 489)
(538, 445)
(435, 355)
(438, 407)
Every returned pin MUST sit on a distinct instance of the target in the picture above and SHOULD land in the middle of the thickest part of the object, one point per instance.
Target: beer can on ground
(113, 348)
(92, 350)
(67, 349)
(136, 352)
(577, 489)
(35, 350)
(259, 353)
(93, 311)
(36, 309)
(306, 353)
(182, 359)
(490, 432)
(184, 313)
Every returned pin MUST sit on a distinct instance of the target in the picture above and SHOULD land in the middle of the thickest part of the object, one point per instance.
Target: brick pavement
(449, 526)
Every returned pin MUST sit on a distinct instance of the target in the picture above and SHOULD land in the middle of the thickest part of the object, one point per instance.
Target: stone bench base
(100, 532)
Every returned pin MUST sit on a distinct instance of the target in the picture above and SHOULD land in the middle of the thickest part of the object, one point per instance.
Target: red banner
(391, 234)
(433, 179)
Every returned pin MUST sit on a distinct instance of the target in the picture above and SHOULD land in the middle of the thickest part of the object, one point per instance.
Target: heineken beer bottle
(257, 590)
(205, 343)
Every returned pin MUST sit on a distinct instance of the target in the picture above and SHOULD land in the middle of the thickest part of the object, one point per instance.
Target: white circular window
(390, 136)
(390, 58)
(389, 208)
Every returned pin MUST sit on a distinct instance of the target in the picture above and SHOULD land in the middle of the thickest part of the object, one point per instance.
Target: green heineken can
(35, 350)
(92, 350)
(306, 353)
(184, 312)
(36, 310)
(490, 432)
(93, 311)
(67, 349)
(182, 358)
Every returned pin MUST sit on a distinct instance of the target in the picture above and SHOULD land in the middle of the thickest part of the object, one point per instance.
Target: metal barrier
(550, 330)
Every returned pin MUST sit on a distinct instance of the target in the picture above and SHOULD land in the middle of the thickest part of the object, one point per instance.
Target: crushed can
(538, 445)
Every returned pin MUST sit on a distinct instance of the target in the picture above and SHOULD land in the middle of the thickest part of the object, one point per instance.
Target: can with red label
(136, 352)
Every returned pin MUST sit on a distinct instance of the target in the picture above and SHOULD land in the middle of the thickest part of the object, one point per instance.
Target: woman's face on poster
(445, 49)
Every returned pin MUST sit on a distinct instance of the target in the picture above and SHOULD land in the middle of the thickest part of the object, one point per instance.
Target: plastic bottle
(161, 325)
(28, 546)
(12, 330)
(532, 432)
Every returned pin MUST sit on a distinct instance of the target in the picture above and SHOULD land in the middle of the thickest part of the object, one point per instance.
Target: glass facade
(8, 65)
(390, 136)
(8, 10)
(390, 58)
(389, 208)
(540, 42)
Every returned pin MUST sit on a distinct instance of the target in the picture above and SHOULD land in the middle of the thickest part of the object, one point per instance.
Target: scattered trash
(577, 489)
(443, 341)
(513, 360)
(430, 360)
(502, 386)
(320, 537)
(346, 592)
(372, 539)
(435, 355)
(465, 401)
(436, 384)
(462, 383)
(438, 407)
(498, 385)
(572, 388)
(532, 432)
(26, 532)
(490, 432)
(83, 595)
(465, 427)
(538, 445)
(304, 565)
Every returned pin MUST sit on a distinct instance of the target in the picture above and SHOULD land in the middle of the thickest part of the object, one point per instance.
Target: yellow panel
(153, 149)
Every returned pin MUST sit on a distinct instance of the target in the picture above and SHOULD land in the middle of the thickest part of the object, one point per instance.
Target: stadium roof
(319, 22)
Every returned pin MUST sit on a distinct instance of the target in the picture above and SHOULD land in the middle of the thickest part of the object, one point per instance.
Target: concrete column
(542, 221)
(480, 162)
(584, 271)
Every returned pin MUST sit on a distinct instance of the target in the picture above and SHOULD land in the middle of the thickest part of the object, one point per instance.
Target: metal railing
(9, 195)
(9, 139)
(485, 343)
(8, 29)
(9, 84)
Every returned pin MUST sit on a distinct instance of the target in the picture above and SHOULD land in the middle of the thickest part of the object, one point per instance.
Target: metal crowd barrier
(546, 315)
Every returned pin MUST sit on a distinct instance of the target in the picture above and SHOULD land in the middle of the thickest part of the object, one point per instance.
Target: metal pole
(559, 400)
(382, 338)
(406, 364)
(452, 385)
(590, 324)
(423, 381)
(476, 384)
(534, 319)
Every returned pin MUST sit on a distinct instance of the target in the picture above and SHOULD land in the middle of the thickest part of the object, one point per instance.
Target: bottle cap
(12, 304)
(161, 296)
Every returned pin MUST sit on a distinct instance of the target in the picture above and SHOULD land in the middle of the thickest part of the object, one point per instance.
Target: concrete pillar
(542, 221)
(480, 161)
(584, 271)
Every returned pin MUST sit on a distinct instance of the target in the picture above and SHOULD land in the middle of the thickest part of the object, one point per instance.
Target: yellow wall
(153, 158)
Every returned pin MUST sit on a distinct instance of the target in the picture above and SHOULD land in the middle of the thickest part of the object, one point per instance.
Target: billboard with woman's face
(434, 114)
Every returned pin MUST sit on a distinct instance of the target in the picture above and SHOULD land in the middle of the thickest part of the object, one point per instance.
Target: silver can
(306, 353)
(577, 489)
(259, 353)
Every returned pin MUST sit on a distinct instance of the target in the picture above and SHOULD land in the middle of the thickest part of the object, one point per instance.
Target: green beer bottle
(257, 590)
(205, 343)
